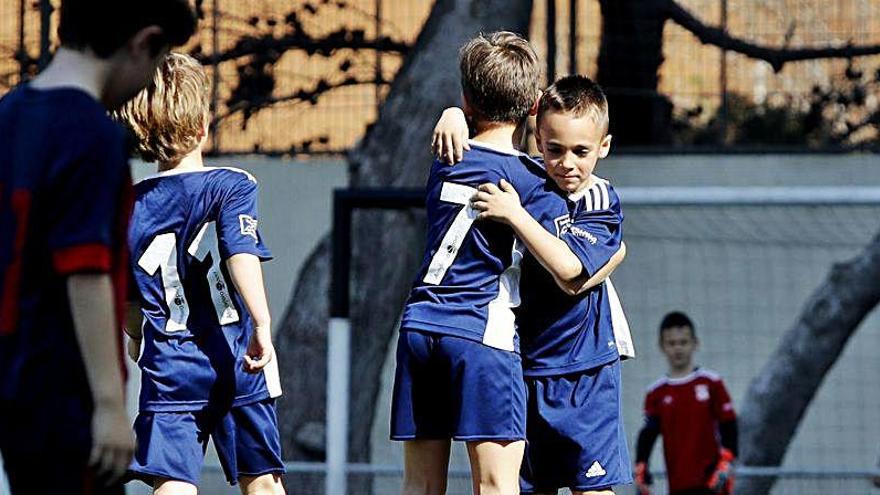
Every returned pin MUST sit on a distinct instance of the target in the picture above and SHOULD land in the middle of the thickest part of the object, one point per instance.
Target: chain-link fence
(308, 76)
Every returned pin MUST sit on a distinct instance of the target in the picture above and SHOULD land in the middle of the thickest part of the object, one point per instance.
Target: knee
(499, 485)
(266, 484)
(423, 485)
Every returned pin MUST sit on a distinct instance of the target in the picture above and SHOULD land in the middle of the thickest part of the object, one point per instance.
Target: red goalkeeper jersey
(688, 410)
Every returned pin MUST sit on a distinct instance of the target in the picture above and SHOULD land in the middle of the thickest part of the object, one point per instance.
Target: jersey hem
(173, 407)
(438, 329)
(602, 360)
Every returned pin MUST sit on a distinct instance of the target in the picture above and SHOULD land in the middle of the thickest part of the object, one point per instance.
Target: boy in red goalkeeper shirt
(691, 408)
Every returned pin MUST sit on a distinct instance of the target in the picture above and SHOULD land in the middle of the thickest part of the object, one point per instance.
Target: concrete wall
(840, 429)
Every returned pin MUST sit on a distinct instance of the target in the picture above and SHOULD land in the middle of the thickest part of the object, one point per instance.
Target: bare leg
(265, 484)
(495, 466)
(173, 487)
(426, 465)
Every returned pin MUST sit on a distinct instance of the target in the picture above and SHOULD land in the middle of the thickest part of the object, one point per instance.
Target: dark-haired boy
(65, 195)
(691, 408)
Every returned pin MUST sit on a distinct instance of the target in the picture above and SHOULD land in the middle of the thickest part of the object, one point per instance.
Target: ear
(534, 110)
(605, 146)
(466, 107)
(148, 41)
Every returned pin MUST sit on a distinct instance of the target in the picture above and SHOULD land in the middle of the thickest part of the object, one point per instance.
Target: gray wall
(660, 273)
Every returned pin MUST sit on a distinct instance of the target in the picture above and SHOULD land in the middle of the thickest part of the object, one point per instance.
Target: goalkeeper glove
(643, 479)
(721, 481)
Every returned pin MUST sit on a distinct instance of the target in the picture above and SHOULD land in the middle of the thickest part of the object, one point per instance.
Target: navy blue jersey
(185, 225)
(65, 196)
(468, 283)
(561, 333)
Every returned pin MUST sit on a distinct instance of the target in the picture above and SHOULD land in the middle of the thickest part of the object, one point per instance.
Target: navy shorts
(575, 432)
(449, 387)
(171, 445)
(46, 445)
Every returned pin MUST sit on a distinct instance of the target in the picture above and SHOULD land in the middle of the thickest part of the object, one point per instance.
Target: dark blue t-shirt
(468, 283)
(561, 333)
(65, 195)
(185, 225)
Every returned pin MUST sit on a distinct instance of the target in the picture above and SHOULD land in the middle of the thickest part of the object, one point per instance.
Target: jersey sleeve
(86, 200)
(527, 176)
(651, 405)
(595, 233)
(238, 220)
(722, 405)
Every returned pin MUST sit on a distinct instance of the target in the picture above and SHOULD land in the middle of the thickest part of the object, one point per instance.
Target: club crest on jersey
(564, 226)
(248, 225)
(702, 391)
(563, 223)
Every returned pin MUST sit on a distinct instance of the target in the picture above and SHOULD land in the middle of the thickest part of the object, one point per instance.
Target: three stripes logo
(595, 470)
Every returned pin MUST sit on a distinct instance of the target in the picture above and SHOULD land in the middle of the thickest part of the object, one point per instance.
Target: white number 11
(161, 255)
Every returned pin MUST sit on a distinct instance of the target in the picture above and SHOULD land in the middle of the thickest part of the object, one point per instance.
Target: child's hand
(259, 351)
(499, 203)
(450, 137)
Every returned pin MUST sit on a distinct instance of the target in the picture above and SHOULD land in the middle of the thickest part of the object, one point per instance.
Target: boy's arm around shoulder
(502, 204)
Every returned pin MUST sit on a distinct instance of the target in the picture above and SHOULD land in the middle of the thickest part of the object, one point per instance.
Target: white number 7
(161, 255)
(448, 249)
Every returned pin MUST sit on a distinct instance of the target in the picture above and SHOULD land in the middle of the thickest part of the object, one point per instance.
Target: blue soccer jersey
(185, 225)
(561, 333)
(65, 196)
(468, 283)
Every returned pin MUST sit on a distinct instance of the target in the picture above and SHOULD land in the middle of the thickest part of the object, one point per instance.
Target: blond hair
(577, 95)
(500, 76)
(169, 116)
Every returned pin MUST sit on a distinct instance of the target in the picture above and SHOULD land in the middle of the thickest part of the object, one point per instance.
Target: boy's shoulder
(213, 175)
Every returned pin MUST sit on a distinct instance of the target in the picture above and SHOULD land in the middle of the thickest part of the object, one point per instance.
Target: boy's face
(571, 146)
(133, 67)
(679, 345)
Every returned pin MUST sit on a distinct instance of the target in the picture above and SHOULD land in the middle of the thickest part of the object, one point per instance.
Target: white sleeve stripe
(606, 198)
(594, 198)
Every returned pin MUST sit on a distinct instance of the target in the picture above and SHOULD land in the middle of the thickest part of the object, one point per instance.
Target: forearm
(729, 436)
(645, 444)
(247, 276)
(97, 334)
(586, 281)
(553, 253)
(133, 320)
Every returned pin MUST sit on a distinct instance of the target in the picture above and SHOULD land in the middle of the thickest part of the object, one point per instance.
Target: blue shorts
(172, 445)
(451, 387)
(46, 444)
(575, 432)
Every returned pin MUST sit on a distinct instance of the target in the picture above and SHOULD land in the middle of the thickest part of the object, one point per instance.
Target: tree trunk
(779, 395)
(387, 247)
(630, 55)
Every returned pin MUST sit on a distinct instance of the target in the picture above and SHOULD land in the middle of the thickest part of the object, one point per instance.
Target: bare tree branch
(301, 95)
(300, 40)
(776, 57)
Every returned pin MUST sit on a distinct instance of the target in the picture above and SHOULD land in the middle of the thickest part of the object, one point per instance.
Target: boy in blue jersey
(64, 206)
(459, 373)
(208, 368)
(570, 348)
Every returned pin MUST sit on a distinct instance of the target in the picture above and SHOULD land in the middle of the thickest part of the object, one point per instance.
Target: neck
(74, 69)
(192, 160)
(681, 371)
(499, 135)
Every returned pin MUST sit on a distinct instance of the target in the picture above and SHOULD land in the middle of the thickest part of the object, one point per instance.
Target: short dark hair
(578, 95)
(105, 26)
(500, 76)
(677, 319)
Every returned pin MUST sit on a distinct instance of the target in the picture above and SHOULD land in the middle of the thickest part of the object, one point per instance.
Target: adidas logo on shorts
(595, 470)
